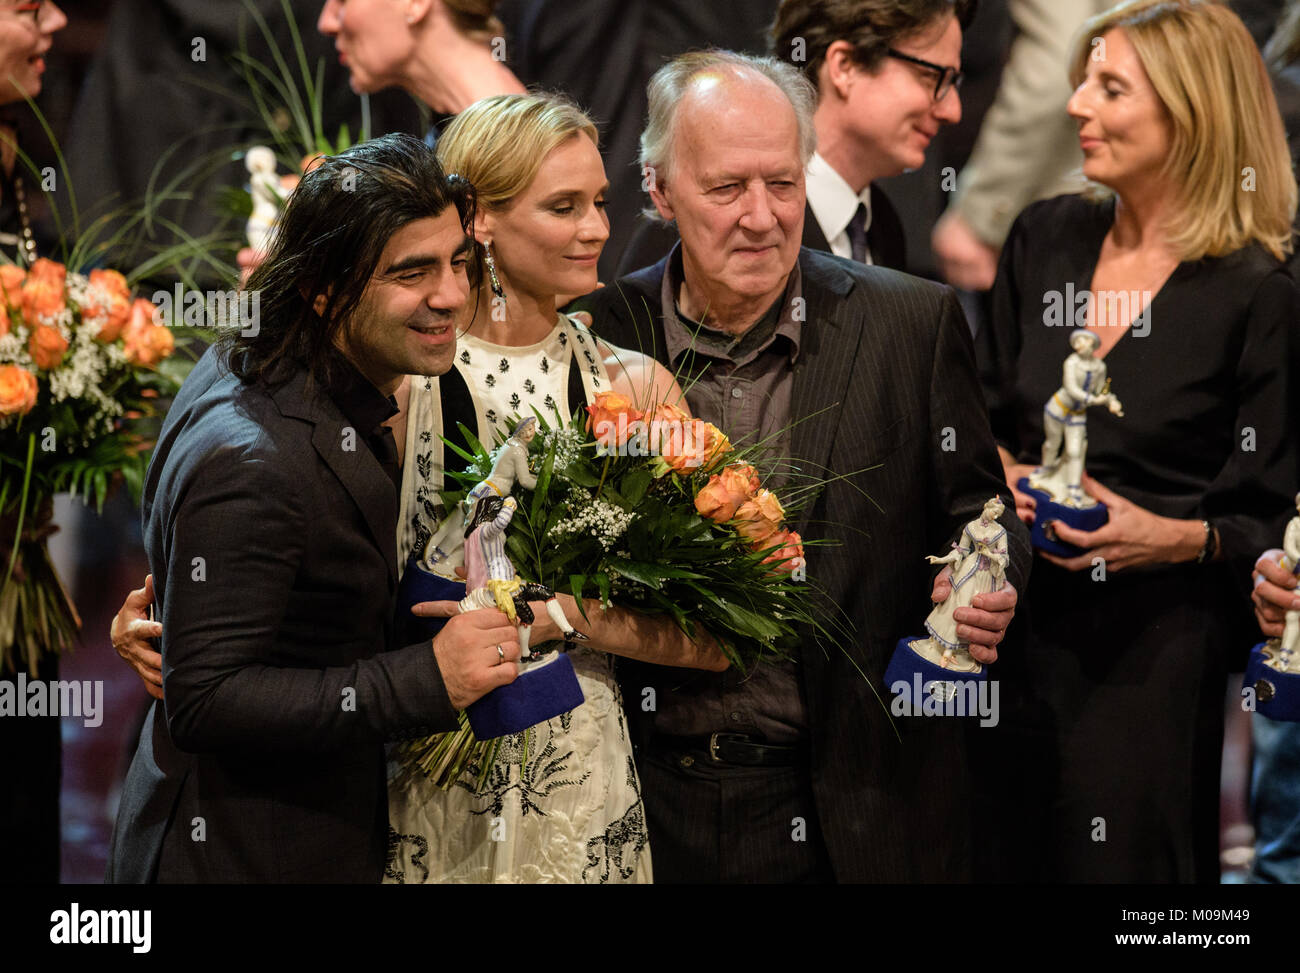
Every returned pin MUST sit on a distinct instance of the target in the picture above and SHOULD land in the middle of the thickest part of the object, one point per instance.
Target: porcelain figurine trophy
(1274, 667)
(264, 187)
(937, 663)
(1057, 484)
(430, 573)
(475, 540)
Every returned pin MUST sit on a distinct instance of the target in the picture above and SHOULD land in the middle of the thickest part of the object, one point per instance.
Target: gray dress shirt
(744, 391)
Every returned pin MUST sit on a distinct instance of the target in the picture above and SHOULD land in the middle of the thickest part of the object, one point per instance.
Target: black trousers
(712, 823)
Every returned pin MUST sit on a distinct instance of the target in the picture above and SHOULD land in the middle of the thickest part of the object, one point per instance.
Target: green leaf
(580, 474)
(635, 485)
(543, 483)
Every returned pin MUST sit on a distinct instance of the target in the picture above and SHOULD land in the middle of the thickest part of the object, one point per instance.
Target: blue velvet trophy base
(1277, 694)
(542, 690)
(419, 584)
(1048, 510)
(910, 674)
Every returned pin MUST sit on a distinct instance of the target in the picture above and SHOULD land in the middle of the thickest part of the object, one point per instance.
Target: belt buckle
(713, 743)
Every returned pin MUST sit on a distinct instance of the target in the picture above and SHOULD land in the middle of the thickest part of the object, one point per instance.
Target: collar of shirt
(681, 334)
(361, 403)
(833, 203)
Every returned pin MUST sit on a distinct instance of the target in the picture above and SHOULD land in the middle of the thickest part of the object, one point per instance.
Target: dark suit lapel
(827, 350)
(345, 452)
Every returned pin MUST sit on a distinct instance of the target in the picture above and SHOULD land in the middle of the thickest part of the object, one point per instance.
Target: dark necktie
(857, 230)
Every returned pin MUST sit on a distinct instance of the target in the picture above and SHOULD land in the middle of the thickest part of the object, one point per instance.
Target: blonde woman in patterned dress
(574, 813)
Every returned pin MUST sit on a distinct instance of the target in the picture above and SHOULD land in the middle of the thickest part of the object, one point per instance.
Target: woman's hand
(1013, 471)
(130, 629)
(1274, 593)
(1132, 537)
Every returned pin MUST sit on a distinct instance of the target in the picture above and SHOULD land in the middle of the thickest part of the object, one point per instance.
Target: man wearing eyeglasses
(887, 74)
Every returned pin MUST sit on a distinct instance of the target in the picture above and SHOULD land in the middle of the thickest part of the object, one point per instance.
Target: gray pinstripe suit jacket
(890, 360)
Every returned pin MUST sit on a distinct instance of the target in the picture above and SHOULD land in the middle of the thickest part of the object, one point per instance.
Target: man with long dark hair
(270, 514)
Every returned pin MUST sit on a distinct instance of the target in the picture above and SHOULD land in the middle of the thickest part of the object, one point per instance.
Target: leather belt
(737, 749)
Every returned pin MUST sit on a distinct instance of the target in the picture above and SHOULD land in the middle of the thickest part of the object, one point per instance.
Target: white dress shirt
(834, 202)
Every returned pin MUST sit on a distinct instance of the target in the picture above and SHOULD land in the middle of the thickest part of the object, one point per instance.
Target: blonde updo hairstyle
(1229, 164)
(499, 143)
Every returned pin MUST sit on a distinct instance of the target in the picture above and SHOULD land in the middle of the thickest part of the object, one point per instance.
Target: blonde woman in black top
(1172, 263)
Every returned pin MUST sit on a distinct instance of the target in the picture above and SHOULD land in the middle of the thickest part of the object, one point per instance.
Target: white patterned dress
(574, 813)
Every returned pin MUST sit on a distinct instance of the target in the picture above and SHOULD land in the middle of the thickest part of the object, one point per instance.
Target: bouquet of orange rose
(80, 377)
(657, 512)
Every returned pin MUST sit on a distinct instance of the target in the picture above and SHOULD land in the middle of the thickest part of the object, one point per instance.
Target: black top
(1203, 380)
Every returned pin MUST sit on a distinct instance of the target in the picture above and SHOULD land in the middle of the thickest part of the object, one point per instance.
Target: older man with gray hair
(843, 370)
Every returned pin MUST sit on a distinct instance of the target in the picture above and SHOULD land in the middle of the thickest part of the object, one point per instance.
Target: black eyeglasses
(948, 79)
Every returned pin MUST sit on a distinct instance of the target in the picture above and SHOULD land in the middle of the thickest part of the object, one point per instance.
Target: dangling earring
(493, 280)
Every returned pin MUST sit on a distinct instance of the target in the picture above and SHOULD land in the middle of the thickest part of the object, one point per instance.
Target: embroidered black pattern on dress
(491, 414)
(489, 380)
(397, 865)
(504, 365)
(424, 464)
(464, 357)
(619, 848)
(514, 401)
(546, 365)
(549, 402)
(529, 387)
(564, 340)
(546, 771)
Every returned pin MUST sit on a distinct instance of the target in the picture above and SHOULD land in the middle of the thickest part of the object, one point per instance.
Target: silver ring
(501, 654)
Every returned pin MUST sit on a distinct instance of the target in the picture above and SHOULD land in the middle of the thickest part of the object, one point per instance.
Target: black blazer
(653, 239)
(271, 534)
(889, 358)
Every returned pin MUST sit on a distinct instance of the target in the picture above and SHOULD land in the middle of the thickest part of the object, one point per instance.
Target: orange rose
(715, 444)
(790, 547)
(747, 478)
(11, 282)
(759, 518)
(43, 289)
(47, 346)
(146, 343)
(611, 419)
(110, 300)
(17, 390)
(110, 282)
(683, 443)
(46, 269)
(4, 319)
(115, 316)
(722, 496)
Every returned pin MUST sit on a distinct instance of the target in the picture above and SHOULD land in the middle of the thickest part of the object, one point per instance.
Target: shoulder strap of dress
(588, 375)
